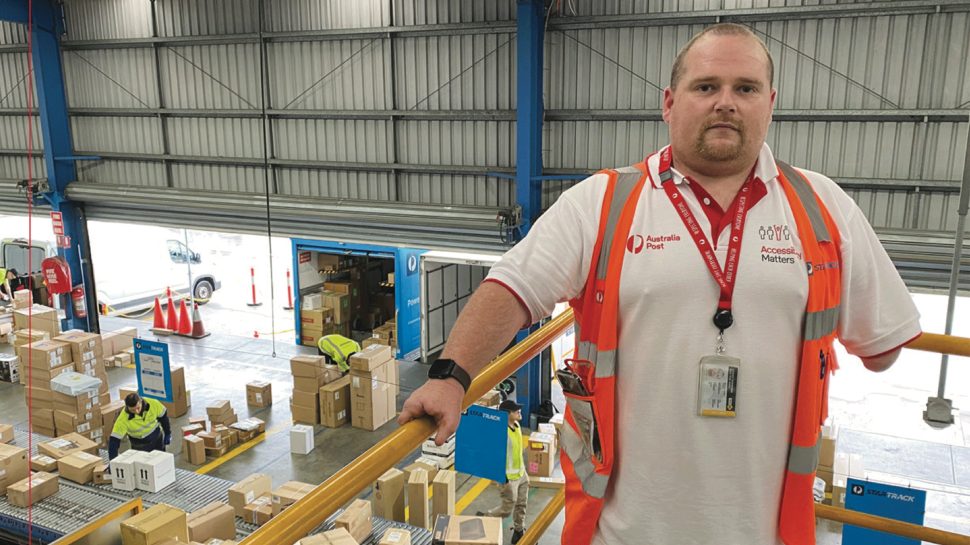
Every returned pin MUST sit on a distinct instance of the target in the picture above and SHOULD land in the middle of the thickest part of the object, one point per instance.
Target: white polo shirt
(681, 478)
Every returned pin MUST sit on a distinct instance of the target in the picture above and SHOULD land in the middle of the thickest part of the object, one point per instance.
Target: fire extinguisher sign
(153, 369)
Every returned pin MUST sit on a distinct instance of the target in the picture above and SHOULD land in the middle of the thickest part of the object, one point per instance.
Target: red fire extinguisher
(77, 298)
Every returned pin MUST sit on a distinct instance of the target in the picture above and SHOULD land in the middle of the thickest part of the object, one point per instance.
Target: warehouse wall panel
(328, 75)
(212, 137)
(938, 211)
(211, 76)
(592, 145)
(351, 140)
(13, 133)
(375, 186)
(455, 189)
(110, 78)
(219, 178)
(15, 167)
(480, 143)
(295, 15)
(209, 17)
(12, 33)
(431, 12)
(462, 72)
(116, 134)
(107, 19)
(138, 173)
(947, 84)
(13, 81)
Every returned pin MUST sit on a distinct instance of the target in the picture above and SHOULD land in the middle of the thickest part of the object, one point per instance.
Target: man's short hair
(131, 400)
(720, 29)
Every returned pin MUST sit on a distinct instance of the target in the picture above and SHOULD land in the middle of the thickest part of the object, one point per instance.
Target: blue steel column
(528, 168)
(56, 129)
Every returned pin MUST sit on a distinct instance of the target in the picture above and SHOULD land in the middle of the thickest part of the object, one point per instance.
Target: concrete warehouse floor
(218, 367)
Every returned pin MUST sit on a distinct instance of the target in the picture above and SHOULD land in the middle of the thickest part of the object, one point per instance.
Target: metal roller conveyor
(419, 536)
(71, 508)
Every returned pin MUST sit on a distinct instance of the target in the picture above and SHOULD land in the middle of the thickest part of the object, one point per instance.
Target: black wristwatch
(445, 369)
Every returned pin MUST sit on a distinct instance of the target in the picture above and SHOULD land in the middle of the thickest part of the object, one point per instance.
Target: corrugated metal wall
(376, 100)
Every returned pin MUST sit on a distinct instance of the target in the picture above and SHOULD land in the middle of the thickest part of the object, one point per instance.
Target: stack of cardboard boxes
(374, 384)
(39, 318)
(119, 346)
(315, 321)
(310, 373)
(342, 299)
(13, 465)
(88, 355)
(109, 414)
(77, 405)
(47, 360)
(826, 453)
(386, 334)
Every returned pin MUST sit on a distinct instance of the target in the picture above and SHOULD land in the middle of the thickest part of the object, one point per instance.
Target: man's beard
(721, 151)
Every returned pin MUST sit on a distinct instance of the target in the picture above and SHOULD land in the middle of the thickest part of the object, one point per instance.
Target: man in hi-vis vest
(709, 281)
(515, 490)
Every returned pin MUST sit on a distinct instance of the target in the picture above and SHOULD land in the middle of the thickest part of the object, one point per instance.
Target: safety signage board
(884, 500)
(153, 370)
(57, 223)
(481, 443)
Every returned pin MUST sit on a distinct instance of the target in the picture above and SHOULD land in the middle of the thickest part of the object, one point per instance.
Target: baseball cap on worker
(510, 406)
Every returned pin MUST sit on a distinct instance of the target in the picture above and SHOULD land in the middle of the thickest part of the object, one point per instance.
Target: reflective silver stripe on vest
(626, 181)
(801, 460)
(594, 484)
(603, 360)
(820, 323)
(807, 197)
(336, 349)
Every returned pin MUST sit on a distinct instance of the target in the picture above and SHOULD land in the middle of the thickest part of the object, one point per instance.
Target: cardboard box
(338, 536)
(356, 519)
(155, 471)
(307, 366)
(288, 494)
(260, 511)
(845, 467)
(540, 454)
(309, 385)
(439, 462)
(32, 489)
(42, 417)
(199, 420)
(443, 494)
(304, 415)
(335, 403)
(301, 439)
(110, 412)
(192, 430)
(218, 409)
(23, 337)
(66, 445)
(418, 514)
(41, 462)
(115, 342)
(13, 465)
(370, 358)
(312, 301)
(396, 536)
(123, 473)
(388, 501)
(154, 525)
(493, 398)
(431, 470)
(101, 474)
(6, 433)
(86, 402)
(9, 368)
(84, 346)
(259, 394)
(340, 304)
(247, 490)
(81, 424)
(41, 318)
(22, 299)
(47, 354)
(547, 482)
(315, 318)
(826, 453)
(374, 401)
(193, 450)
(216, 520)
(310, 400)
(78, 467)
(462, 530)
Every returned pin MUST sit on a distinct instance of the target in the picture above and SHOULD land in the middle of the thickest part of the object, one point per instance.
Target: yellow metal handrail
(132, 507)
(542, 522)
(297, 521)
(899, 528)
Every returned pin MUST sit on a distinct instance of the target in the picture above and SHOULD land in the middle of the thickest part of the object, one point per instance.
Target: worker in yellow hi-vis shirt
(145, 422)
(515, 490)
(338, 349)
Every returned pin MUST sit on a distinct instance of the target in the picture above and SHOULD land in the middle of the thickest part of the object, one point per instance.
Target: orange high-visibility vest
(589, 436)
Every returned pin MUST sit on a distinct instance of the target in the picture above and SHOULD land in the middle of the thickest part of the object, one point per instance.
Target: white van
(133, 264)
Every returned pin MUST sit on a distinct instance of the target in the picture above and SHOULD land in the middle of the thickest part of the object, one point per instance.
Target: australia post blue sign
(407, 293)
(884, 500)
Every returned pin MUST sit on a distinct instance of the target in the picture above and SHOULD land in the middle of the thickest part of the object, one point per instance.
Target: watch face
(441, 369)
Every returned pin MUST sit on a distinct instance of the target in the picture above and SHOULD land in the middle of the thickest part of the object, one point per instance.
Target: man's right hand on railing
(440, 399)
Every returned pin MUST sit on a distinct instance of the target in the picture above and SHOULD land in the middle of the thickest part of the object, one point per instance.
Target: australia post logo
(638, 243)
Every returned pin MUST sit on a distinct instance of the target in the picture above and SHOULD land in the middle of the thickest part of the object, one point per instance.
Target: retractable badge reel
(717, 388)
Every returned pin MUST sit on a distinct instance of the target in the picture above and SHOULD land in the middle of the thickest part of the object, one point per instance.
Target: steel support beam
(56, 129)
(528, 132)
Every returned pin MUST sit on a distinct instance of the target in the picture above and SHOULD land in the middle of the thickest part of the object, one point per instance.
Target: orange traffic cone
(159, 317)
(198, 330)
(185, 326)
(173, 319)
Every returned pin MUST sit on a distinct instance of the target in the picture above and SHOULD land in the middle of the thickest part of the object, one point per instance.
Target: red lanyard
(727, 277)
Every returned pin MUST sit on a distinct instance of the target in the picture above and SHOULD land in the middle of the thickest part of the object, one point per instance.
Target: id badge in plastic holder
(717, 386)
